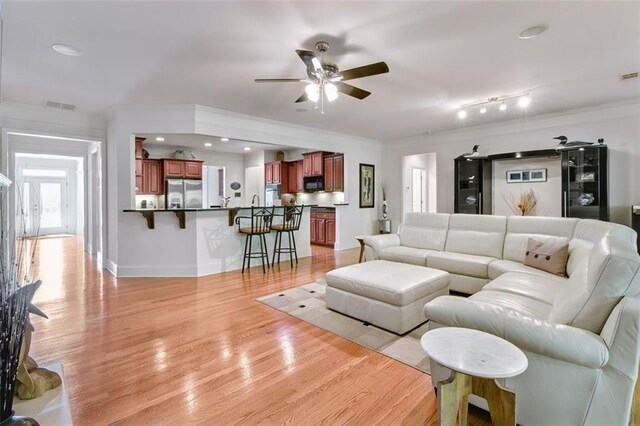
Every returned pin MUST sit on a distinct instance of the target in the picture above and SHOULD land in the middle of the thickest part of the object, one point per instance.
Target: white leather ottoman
(389, 295)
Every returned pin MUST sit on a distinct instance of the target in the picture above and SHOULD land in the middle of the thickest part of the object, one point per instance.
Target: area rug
(307, 303)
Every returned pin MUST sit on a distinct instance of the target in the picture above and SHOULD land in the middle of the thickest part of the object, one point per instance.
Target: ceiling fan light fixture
(331, 91)
(313, 92)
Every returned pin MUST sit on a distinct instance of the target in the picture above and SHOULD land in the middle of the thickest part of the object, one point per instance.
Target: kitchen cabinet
(292, 184)
(138, 165)
(138, 147)
(585, 183)
(193, 169)
(139, 185)
(277, 173)
(186, 169)
(323, 228)
(334, 173)
(312, 164)
(152, 182)
(299, 176)
(330, 231)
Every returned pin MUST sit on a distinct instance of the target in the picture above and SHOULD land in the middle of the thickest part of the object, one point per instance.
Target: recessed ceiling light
(246, 148)
(65, 49)
(160, 139)
(483, 110)
(462, 114)
(532, 32)
(224, 139)
(207, 144)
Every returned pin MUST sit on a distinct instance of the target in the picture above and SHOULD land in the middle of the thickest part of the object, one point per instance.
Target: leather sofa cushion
(424, 231)
(543, 229)
(610, 274)
(517, 302)
(481, 235)
(550, 256)
(394, 283)
(536, 287)
(499, 267)
(414, 256)
(459, 263)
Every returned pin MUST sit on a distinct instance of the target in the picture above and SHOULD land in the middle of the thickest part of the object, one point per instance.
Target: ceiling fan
(325, 79)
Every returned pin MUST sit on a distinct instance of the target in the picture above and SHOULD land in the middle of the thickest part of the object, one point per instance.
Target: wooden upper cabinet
(338, 173)
(189, 169)
(292, 184)
(152, 182)
(299, 176)
(173, 168)
(193, 169)
(138, 167)
(276, 172)
(138, 150)
(268, 173)
(312, 164)
(328, 174)
(334, 173)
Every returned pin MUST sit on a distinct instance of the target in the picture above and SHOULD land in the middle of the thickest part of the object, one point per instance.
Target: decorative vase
(385, 214)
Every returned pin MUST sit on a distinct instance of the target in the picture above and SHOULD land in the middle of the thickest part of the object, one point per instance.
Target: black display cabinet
(472, 185)
(585, 182)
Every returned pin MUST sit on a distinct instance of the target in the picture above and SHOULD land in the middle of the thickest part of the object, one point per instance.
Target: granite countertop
(210, 209)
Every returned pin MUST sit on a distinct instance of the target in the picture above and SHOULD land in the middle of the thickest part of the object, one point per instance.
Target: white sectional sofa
(580, 333)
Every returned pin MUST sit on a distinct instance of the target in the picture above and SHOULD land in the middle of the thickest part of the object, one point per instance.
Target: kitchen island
(191, 242)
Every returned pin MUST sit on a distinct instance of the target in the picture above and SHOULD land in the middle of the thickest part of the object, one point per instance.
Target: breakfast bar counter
(199, 242)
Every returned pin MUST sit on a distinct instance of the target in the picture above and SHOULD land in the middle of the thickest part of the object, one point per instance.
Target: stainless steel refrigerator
(183, 194)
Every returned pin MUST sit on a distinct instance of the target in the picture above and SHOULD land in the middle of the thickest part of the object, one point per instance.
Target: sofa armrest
(379, 242)
(570, 344)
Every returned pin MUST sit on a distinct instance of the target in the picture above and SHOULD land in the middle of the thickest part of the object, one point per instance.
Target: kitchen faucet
(254, 198)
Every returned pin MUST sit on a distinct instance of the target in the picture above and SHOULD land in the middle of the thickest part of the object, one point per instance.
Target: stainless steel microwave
(314, 184)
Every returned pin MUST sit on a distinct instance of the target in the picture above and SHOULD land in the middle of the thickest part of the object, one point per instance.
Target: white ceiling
(196, 142)
(441, 55)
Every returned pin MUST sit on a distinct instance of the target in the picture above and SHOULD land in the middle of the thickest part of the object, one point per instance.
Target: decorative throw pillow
(550, 256)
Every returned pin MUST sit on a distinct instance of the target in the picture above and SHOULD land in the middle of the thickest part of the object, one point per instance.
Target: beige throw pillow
(550, 256)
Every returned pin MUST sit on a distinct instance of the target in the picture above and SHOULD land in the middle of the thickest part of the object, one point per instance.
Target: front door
(45, 205)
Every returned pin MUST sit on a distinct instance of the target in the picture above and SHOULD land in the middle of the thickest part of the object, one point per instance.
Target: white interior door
(45, 205)
(418, 189)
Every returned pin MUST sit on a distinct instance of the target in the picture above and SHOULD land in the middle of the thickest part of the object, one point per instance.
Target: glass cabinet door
(469, 181)
(582, 195)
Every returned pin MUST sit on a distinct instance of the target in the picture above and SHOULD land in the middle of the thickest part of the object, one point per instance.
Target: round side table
(476, 359)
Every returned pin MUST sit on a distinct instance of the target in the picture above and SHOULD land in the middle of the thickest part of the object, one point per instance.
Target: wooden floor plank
(167, 351)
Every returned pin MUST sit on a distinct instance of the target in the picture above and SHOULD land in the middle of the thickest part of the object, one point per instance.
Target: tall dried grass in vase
(16, 293)
(524, 204)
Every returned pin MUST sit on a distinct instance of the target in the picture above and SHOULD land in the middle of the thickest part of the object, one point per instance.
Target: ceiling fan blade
(310, 60)
(350, 90)
(365, 71)
(302, 98)
(278, 80)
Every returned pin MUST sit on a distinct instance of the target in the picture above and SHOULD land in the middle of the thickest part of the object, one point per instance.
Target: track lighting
(523, 100)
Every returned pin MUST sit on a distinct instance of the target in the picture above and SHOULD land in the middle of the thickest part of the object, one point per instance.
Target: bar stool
(291, 218)
(260, 225)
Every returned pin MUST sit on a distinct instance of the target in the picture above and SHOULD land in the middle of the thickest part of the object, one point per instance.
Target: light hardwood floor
(168, 351)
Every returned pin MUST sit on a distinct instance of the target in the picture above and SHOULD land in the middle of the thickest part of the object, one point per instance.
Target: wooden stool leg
(453, 397)
(295, 249)
(501, 401)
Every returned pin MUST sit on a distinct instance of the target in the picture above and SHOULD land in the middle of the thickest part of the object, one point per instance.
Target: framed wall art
(537, 175)
(367, 186)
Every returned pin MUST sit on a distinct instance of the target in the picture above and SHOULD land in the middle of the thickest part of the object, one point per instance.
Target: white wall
(617, 123)
(548, 194)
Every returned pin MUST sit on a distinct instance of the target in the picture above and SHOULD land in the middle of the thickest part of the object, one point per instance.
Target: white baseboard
(111, 266)
(157, 271)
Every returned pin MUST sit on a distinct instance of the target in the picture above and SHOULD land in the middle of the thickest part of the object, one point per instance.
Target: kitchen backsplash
(150, 201)
(321, 198)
